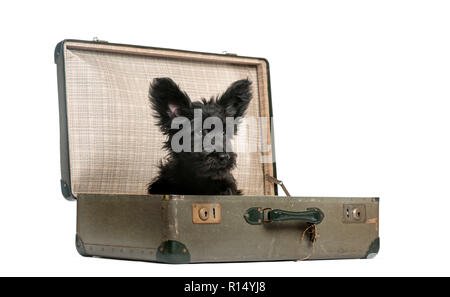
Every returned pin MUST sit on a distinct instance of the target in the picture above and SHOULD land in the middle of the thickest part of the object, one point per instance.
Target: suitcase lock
(206, 213)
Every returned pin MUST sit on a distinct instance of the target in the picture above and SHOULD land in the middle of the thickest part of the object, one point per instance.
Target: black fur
(196, 173)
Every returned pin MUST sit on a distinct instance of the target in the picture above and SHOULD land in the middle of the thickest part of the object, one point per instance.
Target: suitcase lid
(109, 142)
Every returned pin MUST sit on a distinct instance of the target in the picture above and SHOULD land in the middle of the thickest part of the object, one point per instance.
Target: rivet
(247, 215)
(259, 221)
(161, 249)
(184, 251)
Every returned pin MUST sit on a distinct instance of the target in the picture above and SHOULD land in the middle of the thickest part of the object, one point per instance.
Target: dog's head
(200, 133)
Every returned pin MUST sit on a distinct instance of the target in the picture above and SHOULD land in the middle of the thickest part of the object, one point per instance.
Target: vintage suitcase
(110, 147)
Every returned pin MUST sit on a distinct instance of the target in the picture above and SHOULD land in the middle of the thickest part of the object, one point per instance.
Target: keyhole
(203, 214)
(356, 213)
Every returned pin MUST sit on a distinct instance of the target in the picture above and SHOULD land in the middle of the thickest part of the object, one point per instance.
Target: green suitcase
(110, 147)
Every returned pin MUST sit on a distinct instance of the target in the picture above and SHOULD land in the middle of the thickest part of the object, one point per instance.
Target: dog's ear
(236, 98)
(168, 101)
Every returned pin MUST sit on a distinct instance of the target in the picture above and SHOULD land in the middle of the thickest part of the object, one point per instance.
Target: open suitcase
(110, 147)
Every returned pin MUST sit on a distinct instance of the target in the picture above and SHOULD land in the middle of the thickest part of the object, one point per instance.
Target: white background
(361, 103)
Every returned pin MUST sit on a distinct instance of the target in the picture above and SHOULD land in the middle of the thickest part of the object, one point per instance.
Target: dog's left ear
(236, 98)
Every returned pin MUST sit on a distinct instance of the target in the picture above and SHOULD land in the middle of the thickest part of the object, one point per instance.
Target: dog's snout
(223, 157)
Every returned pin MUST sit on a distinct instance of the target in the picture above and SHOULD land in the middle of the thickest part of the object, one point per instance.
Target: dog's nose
(223, 157)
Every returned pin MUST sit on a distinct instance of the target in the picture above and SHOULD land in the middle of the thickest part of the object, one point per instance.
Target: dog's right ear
(168, 101)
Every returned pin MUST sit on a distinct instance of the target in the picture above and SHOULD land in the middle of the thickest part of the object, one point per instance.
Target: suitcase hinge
(95, 39)
(228, 54)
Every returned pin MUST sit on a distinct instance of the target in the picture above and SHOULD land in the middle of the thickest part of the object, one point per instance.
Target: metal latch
(206, 213)
(354, 213)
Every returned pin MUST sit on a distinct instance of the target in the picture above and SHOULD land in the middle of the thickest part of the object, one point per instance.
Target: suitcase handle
(259, 215)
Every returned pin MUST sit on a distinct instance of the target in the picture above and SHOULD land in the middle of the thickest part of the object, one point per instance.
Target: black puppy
(205, 170)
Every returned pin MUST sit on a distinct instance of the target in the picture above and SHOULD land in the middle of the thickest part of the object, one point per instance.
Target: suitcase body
(109, 148)
(164, 229)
